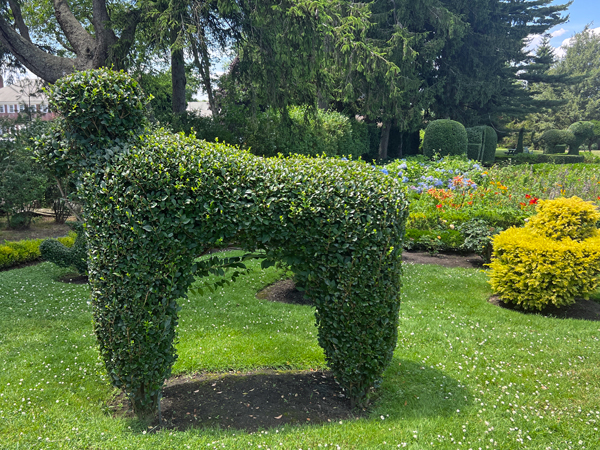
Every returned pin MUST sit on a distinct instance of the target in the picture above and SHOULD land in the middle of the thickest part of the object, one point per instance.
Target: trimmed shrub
(582, 131)
(15, 253)
(74, 256)
(445, 137)
(166, 199)
(552, 140)
(552, 260)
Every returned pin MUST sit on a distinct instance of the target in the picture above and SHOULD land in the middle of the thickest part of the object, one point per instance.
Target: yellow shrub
(562, 218)
(533, 271)
(552, 260)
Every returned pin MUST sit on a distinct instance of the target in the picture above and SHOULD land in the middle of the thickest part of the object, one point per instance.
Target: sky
(581, 13)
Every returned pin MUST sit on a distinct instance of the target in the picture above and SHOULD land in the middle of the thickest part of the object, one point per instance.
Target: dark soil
(582, 309)
(250, 401)
(451, 260)
(74, 278)
(284, 291)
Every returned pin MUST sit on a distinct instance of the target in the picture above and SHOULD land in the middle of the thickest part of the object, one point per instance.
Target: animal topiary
(162, 199)
(556, 141)
(445, 137)
(582, 131)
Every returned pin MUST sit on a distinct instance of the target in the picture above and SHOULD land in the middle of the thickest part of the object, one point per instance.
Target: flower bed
(452, 193)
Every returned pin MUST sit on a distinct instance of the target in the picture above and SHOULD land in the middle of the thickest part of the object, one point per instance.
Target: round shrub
(445, 137)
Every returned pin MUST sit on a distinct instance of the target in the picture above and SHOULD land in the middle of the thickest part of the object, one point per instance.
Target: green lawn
(466, 374)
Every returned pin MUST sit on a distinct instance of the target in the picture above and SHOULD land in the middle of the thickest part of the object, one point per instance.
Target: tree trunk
(177, 78)
(203, 64)
(91, 51)
(384, 140)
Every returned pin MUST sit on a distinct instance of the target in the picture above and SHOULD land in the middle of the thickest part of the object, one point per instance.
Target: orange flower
(527, 196)
(438, 206)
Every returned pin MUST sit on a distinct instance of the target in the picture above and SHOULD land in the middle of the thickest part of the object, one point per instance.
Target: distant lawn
(466, 374)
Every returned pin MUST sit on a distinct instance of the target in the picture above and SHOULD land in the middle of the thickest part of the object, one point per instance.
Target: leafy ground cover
(465, 374)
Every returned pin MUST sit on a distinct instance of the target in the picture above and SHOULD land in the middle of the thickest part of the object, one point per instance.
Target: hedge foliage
(535, 158)
(74, 256)
(445, 137)
(552, 260)
(325, 133)
(160, 203)
(19, 252)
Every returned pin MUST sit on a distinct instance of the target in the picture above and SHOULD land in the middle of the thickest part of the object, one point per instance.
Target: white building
(24, 96)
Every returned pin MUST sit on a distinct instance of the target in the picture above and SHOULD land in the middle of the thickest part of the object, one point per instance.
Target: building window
(1, 108)
(12, 108)
(22, 108)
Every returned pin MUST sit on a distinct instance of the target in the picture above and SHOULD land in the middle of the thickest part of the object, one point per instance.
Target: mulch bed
(582, 309)
(249, 401)
(468, 261)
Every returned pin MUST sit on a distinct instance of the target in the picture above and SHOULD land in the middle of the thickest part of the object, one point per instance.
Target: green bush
(165, 200)
(552, 260)
(478, 235)
(15, 253)
(553, 140)
(433, 241)
(583, 131)
(327, 133)
(445, 137)
(74, 256)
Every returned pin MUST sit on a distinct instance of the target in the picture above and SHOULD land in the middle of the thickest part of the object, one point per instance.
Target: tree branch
(44, 65)
(16, 11)
(81, 41)
(105, 36)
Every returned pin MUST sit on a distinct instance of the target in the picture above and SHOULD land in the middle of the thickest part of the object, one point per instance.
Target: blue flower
(385, 171)
(405, 180)
(344, 159)
(403, 165)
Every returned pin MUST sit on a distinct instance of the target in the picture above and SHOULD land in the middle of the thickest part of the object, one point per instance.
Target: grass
(465, 374)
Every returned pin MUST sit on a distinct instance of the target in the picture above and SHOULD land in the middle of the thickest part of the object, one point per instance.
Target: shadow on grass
(411, 390)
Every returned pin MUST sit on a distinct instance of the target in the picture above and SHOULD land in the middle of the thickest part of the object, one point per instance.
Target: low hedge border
(538, 158)
(18, 252)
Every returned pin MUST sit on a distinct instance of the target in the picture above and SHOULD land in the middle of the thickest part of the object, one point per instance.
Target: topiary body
(445, 137)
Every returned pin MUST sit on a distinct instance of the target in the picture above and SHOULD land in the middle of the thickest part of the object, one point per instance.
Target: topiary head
(99, 110)
(562, 218)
